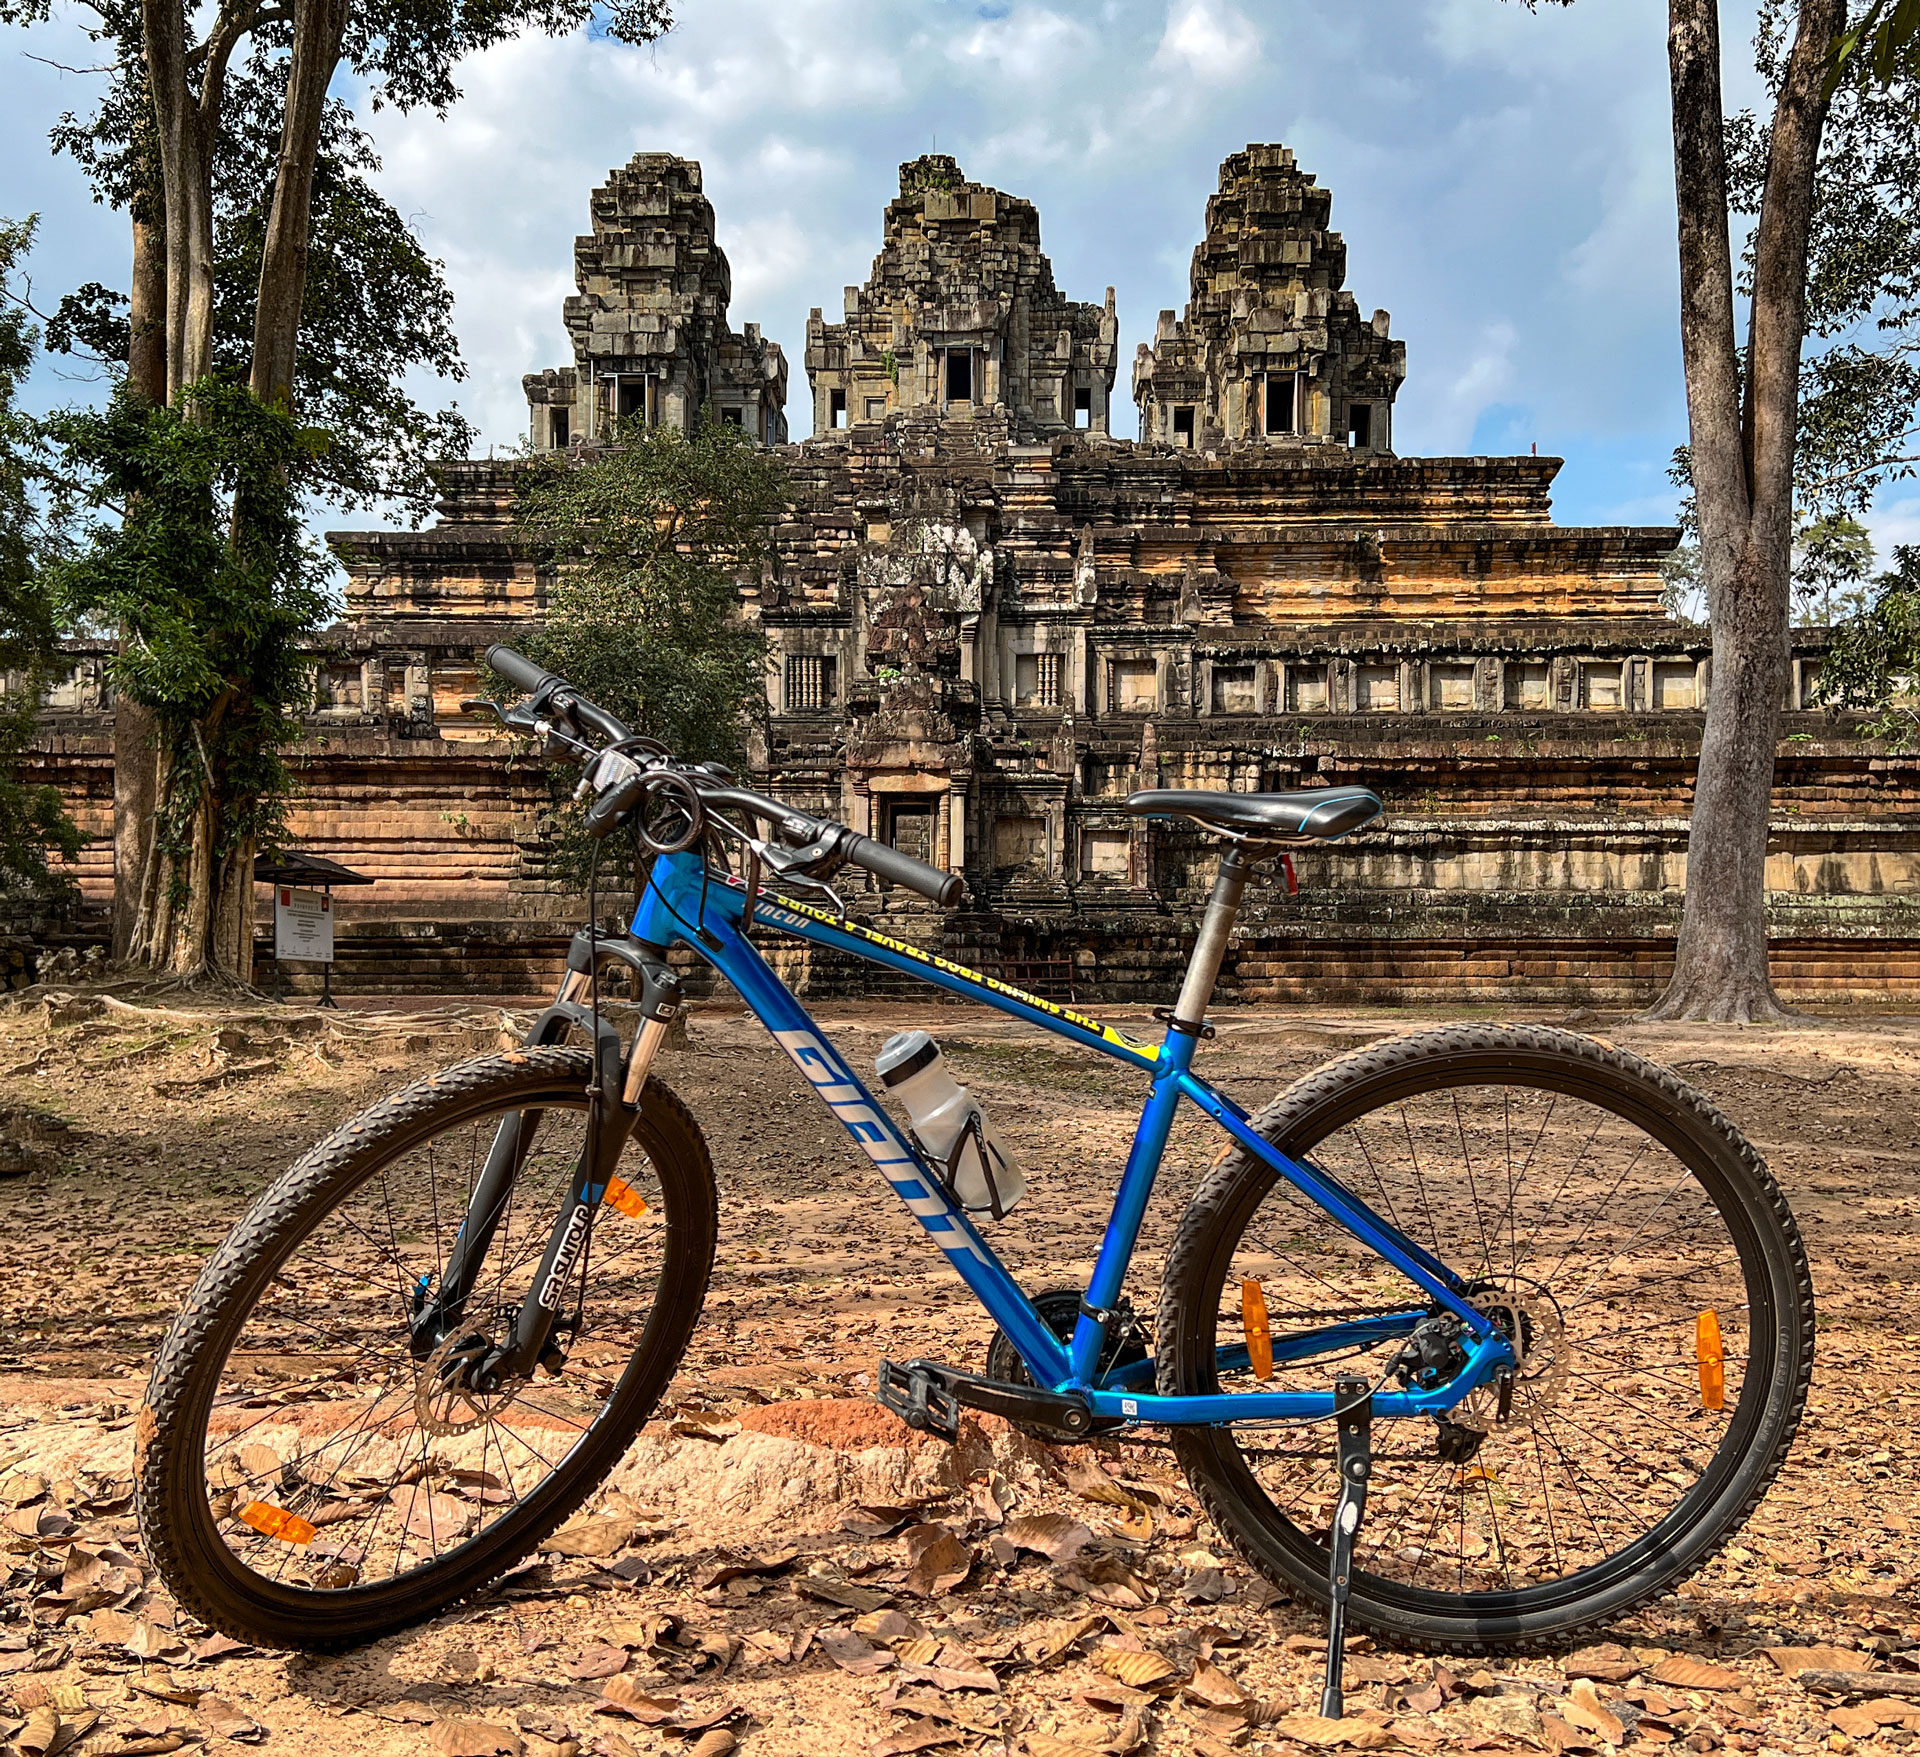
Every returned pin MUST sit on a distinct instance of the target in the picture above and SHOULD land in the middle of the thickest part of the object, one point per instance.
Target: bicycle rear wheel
(1604, 1214)
(305, 1481)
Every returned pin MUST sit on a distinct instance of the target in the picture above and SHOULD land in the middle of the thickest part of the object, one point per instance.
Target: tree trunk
(136, 753)
(147, 315)
(1742, 449)
(319, 27)
(186, 125)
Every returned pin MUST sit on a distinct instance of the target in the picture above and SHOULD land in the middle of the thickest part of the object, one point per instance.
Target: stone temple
(990, 617)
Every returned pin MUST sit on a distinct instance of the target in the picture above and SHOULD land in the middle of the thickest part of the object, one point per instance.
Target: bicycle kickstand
(1353, 1399)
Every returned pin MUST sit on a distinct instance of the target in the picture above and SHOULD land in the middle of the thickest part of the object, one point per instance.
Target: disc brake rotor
(443, 1402)
(1532, 1323)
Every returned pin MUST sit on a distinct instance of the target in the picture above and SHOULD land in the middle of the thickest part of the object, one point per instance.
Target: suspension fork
(619, 1080)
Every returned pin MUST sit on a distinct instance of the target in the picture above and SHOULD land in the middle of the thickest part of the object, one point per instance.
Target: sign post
(303, 931)
(303, 886)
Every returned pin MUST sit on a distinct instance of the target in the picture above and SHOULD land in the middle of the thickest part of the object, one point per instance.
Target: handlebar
(834, 842)
(554, 692)
(944, 888)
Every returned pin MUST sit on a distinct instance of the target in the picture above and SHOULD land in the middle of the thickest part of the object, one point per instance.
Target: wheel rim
(337, 1466)
(1597, 1228)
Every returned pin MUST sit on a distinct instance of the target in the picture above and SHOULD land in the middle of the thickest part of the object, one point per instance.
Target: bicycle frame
(686, 903)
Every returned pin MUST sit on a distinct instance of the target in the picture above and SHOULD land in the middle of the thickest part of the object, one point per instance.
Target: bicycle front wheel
(304, 1480)
(1623, 1233)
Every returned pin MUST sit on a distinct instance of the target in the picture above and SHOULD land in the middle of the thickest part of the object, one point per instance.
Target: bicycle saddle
(1321, 814)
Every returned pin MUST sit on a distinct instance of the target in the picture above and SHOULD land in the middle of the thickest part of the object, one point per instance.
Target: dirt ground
(135, 1135)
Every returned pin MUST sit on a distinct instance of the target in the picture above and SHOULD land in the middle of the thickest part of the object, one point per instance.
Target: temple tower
(1272, 349)
(961, 315)
(649, 325)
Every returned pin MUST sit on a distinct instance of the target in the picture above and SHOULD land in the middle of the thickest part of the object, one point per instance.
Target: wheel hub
(1530, 1320)
(446, 1399)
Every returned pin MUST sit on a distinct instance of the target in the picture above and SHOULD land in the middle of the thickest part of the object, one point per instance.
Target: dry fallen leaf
(1144, 1671)
(888, 1626)
(591, 1537)
(37, 1737)
(474, 1738)
(1794, 1660)
(1583, 1708)
(1316, 1729)
(851, 1654)
(600, 1661)
(1046, 1745)
(939, 1560)
(1210, 1687)
(716, 1743)
(226, 1721)
(1057, 1536)
(1091, 1483)
(1682, 1672)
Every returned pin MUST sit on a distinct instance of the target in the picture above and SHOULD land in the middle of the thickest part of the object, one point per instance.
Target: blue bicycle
(1479, 1336)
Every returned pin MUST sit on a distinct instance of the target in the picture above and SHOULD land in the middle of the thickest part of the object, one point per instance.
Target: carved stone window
(1280, 399)
(1083, 406)
(809, 682)
(1600, 686)
(1235, 689)
(1036, 680)
(1376, 688)
(1183, 425)
(733, 418)
(1134, 687)
(1019, 842)
(1360, 426)
(876, 408)
(1676, 683)
(557, 428)
(836, 408)
(1529, 686)
(629, 398)
(1452, 687)
(1306, 690)
(959, 374)
(1103, 853)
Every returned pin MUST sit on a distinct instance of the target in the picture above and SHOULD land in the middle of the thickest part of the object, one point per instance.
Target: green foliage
(196, 555)
(648, 542)
(375, 308)
(1860, 377)
(1875, 657)
(32, 821)
(1832, 557)
(1876, 40)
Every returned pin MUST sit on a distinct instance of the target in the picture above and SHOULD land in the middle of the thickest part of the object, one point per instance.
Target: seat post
(1210, 947)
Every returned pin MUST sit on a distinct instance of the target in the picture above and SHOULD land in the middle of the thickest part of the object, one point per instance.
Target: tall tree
(197, 555)
(33, 823)
(405, 52)
(1743, 396)
(646, 545)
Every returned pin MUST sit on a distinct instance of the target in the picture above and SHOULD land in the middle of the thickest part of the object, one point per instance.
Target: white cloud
(1214, 41)
(1498, 178)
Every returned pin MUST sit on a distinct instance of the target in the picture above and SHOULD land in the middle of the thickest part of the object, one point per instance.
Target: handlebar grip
(518, 669)
(944, 888)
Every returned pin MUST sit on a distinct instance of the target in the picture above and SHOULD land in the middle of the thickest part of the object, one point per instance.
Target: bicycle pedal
(919, 1399)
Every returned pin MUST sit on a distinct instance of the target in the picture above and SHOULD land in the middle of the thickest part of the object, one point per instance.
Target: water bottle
(954, 1133)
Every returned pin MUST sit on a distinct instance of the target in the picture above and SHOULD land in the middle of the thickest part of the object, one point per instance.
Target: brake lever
(784, 864)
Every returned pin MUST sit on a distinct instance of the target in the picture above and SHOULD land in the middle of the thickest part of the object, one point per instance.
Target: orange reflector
(1253, 1320)
(626, 1198)
(274, 1521)
(1708, 1351)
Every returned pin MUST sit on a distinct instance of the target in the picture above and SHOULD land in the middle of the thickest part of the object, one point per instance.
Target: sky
(1503, 181)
